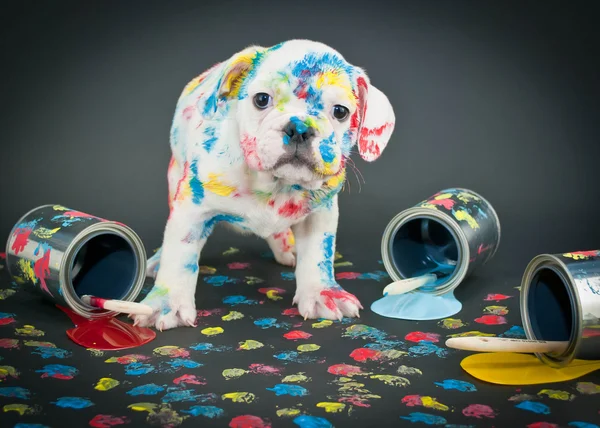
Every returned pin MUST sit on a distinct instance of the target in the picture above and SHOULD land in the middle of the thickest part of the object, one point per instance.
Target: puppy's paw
(170, 309)
(331, 303)
(287, 258)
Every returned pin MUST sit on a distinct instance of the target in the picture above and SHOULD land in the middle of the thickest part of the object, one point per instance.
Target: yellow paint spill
(273, 295)
(26, 267)
(106, 383)
(432, 403)
(392, 380)
(472, 334)
(45, 233)
(462, 215)
(250, 344)
(212, 331)
(309, 347)
(6, 371)
(143, 407)
(239, 397)
(216, 186)
(496, 310)
(322, 324)
(557, 395)
(287, 412)
(299, 377)
(233, 315)
(29, 330)
(207, 270)
(331, 407)
(21, 409)
(233, 373)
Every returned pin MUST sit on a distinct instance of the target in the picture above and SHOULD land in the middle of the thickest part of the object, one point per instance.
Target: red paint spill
(590, 332)
(419, 336)
(542, 425)
(297, 334)
(41, 268)
(238, 266)
(248, 145)
(264, 369)
(292, 312)
(344, 370)
(9, 343)
(491, 320)
(291, 209)
(446, 203)
(209, 312)
(6, 321)
(347, 275)
(412, 400)
(21, 239)
(496, 297)
(343, 295)
(248, 421)
(479, 411)
(363, 354)
(355, 400)
(189, 379)
(106, 421)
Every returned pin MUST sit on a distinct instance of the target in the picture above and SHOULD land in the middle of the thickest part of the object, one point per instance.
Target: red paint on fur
(347, 275)
(297, 334)
(186, 169)
(419, 336)
(248, 145)
(331, 295)
(344, 370)
(248, 421)
(291, 209)
(366, 143)
(491, 320)
(188, 112)
(363, 354)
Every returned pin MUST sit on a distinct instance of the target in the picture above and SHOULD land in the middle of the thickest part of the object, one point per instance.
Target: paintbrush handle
(406, 285)
(501, 344)
(118, 305)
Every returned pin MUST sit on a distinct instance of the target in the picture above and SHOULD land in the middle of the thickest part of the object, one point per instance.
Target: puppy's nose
(297, 132)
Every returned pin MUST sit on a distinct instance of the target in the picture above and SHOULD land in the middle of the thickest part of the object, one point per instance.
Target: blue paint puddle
(417, 306)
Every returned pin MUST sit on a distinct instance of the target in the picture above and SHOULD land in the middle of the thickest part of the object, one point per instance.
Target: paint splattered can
(450, 234)
(560, 301)
(65, 254)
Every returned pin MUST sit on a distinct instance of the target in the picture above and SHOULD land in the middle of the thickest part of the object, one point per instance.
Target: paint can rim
(425, 213)
(553, 263)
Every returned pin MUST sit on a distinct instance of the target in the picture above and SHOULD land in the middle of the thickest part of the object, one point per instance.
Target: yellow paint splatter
(216, 186)
(287, 412)
(143, 407)
(6, 293)
(466, 197)
(496, 310)
(443, 196)
(95, 352)
(230, 251)
(336, 180)
(588, 388)
(29, 330)
(298, 377)
(472, 334)
(45, 233)
(21, 409)
(106, 383)
(322, 324)
(557, 395)
(429, 206)
(392, 380)
(233, 373)
(239, 397)
(342, 264)
(233, 315)
(167, 350)
(462, 215)
(451, 323)
(37, 344)
(207, 270)
(26, 267)
(212, 331)
(392, 354)
(309, 347)
(250, 344)
(59, 208)
(432, 403)
(6, 371)
(273, 295)
(331, 407)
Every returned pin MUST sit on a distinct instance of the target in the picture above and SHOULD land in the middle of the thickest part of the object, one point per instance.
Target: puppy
(260, 142)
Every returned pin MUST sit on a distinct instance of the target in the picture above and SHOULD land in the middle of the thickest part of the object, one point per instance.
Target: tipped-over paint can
(65, 254)
(560, 301)
(450, 234)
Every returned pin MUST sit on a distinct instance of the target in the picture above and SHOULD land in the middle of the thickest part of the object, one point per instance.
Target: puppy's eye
(340, 112)
(262, 100)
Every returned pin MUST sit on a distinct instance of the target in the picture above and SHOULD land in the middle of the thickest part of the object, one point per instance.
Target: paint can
(560, 301)
(450, 234)
(65, 254)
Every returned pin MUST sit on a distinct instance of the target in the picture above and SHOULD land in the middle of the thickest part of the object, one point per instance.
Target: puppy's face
(301, 108)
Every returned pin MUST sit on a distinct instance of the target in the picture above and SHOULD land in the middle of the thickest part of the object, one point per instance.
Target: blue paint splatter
(48, 352)
(22, 425)
(207, 411)
(178, 363)
(301, 127)
(288, 276)
(347, 143)
(424, 418)
(205, 348)
(179, 396)
(195, 184)
(326, 148)
(534, 407)
(265, 322)
(238, 300)
(378, 275)
(582, 425)
(382, 345)
(515, 331)
(459, 385)
(293, 356)
(15, 392)
(307, 421)
(148, 389)
(6, 315)
(427, 348)
(287, 389)
(219, 280)
(138, 369)
(58, 371)
(73, 403)
(212, 138)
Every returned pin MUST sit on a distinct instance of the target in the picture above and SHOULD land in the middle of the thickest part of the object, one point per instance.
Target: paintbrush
(117, 305)
(406, 285)
(502, 344)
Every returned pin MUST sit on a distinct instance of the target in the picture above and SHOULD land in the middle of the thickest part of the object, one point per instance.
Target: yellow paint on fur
(557, 395)
(250, 344)
(26, 267)
(462, 215)
(212, 331)
(233, 315)
(333, 78)
(309, 347)
(239, 397)
(331, 407)
(106, 383)
(143, 407)
(299, 377)
(45, 233)
(233, 373)
(322, 324)
(287, 412)
(216, 186)
(392, 380)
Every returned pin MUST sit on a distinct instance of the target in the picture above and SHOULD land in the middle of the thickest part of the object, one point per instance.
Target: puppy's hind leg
(283, 247)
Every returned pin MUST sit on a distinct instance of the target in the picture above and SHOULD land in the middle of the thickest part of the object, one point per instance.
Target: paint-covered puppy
(260, 141)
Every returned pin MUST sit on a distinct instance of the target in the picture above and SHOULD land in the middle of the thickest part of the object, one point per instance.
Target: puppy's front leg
(173, 296)
(318, 295)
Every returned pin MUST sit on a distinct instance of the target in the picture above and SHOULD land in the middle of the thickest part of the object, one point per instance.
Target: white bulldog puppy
(261, 142)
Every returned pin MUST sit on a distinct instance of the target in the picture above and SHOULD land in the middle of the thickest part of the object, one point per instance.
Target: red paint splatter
(9, 343)
(131, 358)
(481, 249)
(248, 421)
(291, 312)
(542, 425)
(419, 336)
(291, 209)
(592, 253)
(284, 237)
(446, 203)
(363, 354)
(188, 112)
(79, 214)
(21, 239)
(2, 256)
(271, 203)
(189, 379)
(209, 312)
(412, 400)
(479, 411)
(590, 332)
(57, 376)
(347, 275)
(297, 334)
(106, 421)
(344, 370)
(248, 145)
(264, 369)
(367, 145)
(6, 321)
(41, 267)
(238, 265)
(491, 320)
(355, 400)
(275, 289)
(496, 297)
(343, 295)
(186, 170)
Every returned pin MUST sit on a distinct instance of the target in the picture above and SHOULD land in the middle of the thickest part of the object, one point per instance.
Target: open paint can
(65, 254)
(560, 301)
(450, 234)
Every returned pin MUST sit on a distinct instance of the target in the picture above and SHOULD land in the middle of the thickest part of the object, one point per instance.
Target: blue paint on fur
(209, 143)
(326, 265)
(195, 184)
(301, 127)
(326, 148)
(209, 225)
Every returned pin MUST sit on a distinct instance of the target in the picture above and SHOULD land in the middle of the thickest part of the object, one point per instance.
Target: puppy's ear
(375, 117)
(238, 69)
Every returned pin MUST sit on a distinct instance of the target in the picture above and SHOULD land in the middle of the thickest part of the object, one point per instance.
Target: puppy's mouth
(297, 160)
